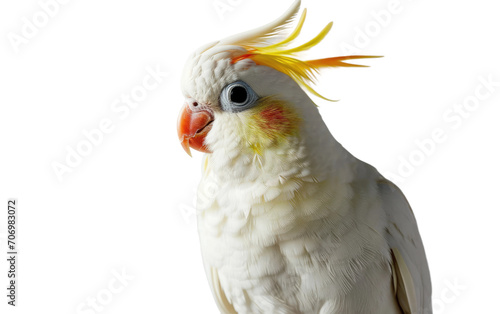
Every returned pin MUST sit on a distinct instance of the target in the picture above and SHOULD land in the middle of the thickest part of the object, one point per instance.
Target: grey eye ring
(237, 96)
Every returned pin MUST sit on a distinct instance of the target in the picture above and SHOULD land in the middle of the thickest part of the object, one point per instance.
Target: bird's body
(289, 221)
(307, 232)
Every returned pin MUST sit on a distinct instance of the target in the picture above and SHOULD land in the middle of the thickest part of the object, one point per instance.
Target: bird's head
(244, 95)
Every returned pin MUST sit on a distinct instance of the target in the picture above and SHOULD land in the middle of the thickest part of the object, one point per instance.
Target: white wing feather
(410, 270)
(225, 307)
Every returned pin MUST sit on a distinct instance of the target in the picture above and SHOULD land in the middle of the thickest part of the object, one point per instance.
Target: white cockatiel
(289, 221)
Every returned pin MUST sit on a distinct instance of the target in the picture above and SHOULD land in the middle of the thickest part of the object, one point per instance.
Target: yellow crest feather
(282, 58)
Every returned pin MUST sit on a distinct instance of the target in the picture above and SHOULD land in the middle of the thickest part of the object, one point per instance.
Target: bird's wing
(411, 276)
(225, 307)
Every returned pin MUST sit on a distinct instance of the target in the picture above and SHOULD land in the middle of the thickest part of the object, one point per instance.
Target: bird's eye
(237, 96)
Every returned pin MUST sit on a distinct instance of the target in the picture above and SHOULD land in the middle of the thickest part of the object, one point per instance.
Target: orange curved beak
(193, 126)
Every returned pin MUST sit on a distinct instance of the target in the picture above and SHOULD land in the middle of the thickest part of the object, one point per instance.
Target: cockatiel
(289, 221)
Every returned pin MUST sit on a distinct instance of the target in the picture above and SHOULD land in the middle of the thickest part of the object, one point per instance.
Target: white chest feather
(297, 241)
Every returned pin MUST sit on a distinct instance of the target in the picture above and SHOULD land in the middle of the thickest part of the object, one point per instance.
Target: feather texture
(281, 57)
(261, 34)
(289, 221)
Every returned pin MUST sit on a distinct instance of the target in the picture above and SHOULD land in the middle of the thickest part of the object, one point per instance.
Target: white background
(128, 205)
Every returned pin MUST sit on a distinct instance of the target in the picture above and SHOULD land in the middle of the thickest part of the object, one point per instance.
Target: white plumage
(302, 227)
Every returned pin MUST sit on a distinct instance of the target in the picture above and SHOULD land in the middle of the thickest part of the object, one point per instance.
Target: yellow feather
(308, 45)
(292, 35)
(283, 59)
(269, 124)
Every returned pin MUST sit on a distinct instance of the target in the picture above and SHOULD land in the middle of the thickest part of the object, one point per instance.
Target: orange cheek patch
(275, 119)
(271, 123)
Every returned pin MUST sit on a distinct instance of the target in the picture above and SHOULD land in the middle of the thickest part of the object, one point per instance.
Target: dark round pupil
(238, 94)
